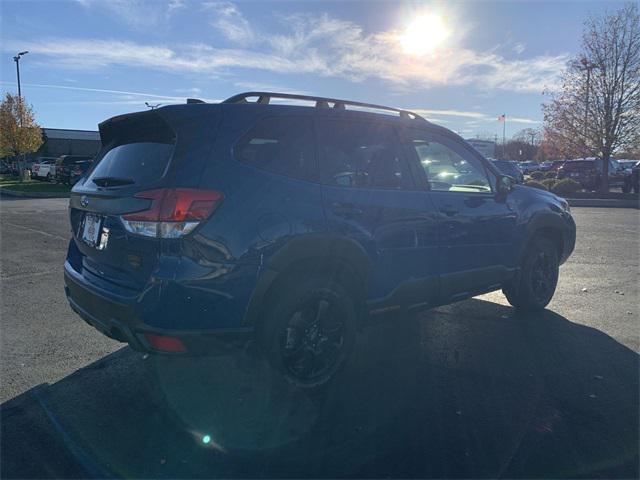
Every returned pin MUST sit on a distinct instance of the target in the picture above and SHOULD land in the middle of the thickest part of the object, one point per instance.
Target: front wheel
(310, 332)
(534, 287)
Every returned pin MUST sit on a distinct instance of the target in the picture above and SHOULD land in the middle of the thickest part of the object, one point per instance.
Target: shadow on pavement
(468, 390)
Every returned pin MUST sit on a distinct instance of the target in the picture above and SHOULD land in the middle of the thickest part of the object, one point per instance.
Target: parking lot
(472, 389)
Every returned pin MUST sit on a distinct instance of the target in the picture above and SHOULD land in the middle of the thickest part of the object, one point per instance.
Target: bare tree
(532, 136)
(597, 109)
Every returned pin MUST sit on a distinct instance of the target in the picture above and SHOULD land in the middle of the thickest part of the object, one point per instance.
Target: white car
(44, 170)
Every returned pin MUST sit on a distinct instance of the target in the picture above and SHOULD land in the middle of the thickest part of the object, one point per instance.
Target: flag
(502, 118)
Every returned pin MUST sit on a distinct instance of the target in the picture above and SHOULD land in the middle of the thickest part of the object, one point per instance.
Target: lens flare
(423, 35)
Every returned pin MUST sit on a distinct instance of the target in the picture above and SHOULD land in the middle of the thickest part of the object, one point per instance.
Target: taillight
(173, 212)
(165, 343)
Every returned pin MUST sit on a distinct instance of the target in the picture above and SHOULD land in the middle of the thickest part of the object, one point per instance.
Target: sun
(423, 35)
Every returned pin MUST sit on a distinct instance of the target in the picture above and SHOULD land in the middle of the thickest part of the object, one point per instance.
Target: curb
(14, 193)
(603, 202)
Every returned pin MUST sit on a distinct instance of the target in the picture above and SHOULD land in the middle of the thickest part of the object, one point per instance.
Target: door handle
(449, 210)
(346, 209)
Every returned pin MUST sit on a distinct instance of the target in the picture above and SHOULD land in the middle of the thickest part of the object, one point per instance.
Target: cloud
(519, 47)
(475, 117)
(139, 14)
(123, 95)
(229, 22)
(319, 45)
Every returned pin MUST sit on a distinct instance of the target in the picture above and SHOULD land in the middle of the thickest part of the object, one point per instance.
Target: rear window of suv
(137, 149)
(142, 162)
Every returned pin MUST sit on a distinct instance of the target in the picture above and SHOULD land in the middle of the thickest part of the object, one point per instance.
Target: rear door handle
(346, 209)
(449, 210)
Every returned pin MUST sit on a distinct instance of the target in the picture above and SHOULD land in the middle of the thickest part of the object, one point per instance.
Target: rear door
(139, 153)
(370, 196)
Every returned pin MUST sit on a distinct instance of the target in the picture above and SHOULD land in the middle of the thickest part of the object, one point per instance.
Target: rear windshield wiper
(112, 181)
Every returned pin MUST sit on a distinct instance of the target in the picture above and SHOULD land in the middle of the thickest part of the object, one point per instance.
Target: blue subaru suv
(201, 225)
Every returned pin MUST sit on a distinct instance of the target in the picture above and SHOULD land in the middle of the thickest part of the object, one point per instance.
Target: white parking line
(37, 231)
(18, 276)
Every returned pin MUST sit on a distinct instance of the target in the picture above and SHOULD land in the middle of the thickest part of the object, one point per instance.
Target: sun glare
(423, 35)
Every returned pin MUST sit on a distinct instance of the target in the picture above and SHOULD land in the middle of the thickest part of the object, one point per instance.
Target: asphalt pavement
(472, 389)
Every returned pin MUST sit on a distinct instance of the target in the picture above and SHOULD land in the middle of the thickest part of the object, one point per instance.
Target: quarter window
(282, 145)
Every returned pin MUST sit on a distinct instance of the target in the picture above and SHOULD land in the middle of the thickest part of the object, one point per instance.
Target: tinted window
(508, 168)
(280, 145)
(143, 162)
(360, 155)
(448, 166)
(579, 165)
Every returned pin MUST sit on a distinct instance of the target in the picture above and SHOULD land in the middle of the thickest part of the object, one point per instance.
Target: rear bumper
(117, 317)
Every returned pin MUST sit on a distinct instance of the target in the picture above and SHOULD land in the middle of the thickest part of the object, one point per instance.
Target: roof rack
(321, 102)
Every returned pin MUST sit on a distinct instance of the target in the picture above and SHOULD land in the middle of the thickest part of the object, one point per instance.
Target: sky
(459, 64)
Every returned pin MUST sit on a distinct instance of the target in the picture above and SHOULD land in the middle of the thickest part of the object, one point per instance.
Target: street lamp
(586, 66)
(17, 60)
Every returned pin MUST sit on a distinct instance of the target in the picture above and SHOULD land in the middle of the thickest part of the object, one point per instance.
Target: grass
(14, 183)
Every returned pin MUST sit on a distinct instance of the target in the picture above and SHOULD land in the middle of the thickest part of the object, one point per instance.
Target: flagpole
(504, 127)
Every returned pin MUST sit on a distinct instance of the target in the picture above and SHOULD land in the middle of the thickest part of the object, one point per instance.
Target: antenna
(151, 106)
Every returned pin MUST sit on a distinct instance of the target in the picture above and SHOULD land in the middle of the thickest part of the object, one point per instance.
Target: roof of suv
(301, 103)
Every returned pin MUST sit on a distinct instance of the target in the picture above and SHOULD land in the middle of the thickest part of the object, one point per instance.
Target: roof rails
(321, 102)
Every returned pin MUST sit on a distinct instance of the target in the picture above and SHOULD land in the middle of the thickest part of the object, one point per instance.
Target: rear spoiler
(147, 126)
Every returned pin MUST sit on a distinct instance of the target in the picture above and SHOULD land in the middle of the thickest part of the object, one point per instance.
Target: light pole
(20, 104)
(17, 60)
(586, 66)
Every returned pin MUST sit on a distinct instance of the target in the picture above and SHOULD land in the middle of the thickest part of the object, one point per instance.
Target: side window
(448, 167)
(282, 145)
(361, 155)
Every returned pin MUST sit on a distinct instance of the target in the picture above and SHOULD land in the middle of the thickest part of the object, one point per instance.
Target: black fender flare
(544, 221)
(317, 249)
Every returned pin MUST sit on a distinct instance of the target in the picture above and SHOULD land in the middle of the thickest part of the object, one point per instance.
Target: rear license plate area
(91, 229)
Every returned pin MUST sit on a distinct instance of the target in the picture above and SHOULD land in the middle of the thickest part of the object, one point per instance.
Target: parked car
(78, 170)
(528, 167)
(203, 226)
(7, 168)
(44, 169)
(64, 165)
(510, 168)
(632, 180)
(556, 164)
(545, 166)
(588, 173)
(628, 165)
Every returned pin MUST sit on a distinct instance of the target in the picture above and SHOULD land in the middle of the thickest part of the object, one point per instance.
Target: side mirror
(505, 185)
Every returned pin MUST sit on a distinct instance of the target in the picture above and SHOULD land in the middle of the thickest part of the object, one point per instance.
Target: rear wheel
(533, 289)
(310, 332)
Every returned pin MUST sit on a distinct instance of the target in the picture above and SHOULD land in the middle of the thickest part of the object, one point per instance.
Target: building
(68, 142)
(486, 147)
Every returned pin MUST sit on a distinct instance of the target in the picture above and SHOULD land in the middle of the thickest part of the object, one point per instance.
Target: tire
(310, 331)
(48, 177)
(626, 187)
(534, 287)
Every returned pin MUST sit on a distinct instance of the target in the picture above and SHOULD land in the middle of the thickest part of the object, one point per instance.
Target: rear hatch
(140, 153)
